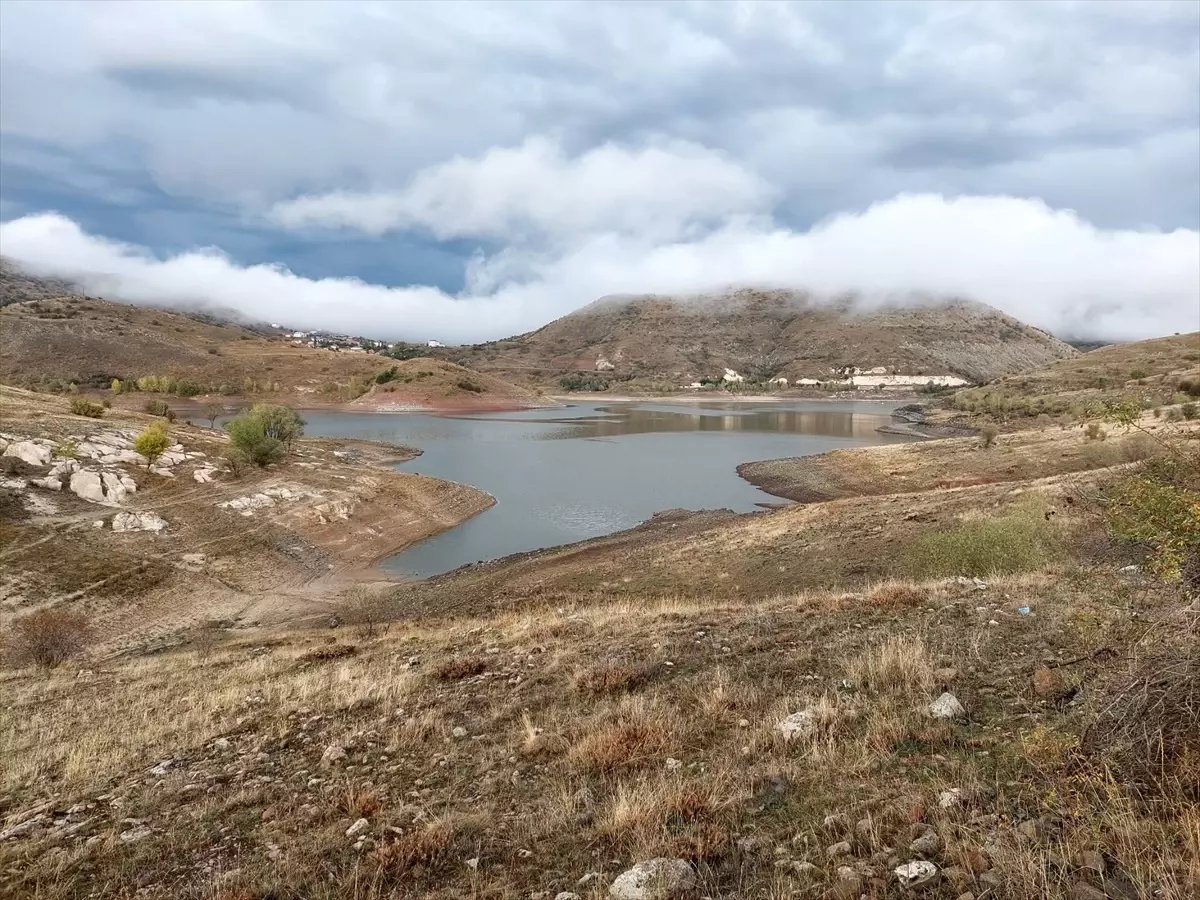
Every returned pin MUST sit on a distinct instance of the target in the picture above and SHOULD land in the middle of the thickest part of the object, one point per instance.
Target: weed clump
(82, 406)
(1015, 542)
(47, 638)
(459, 668)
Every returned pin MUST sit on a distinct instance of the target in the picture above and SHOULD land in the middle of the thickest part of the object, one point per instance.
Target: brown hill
(765, 334)
(54, 339)
(426, 383)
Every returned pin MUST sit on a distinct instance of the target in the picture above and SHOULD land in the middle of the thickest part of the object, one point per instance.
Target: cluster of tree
(403, 351)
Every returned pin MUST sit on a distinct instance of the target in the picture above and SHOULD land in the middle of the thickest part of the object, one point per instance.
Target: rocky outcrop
(138, 521)
(108, 488)
(35, 453)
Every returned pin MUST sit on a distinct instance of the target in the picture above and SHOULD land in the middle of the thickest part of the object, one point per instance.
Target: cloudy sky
(466, 171)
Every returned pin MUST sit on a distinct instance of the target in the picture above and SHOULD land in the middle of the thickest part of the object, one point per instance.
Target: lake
(567, 474)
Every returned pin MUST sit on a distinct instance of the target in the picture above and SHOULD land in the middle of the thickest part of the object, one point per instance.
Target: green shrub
(1188, 410)
(1138, 374)
(1017, 541)
(1158, 508)
(249, 437)
(465, 384)
(386, 376)
(988, 434)
(82, 406)
(152, 442)
(159, 408)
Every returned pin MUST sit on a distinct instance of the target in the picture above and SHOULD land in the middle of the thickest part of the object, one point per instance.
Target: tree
(279, 422)
(249, 437)
(117, 387)
(152, 443)
(212, 412)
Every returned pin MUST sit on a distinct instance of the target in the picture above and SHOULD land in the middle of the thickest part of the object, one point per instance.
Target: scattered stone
(800, 724)
(918, 873)
(928, 844)
(139, 833)
(841, 848)
(357, 828)
(50, 482)
(458, 732)
(654, 879)
(950, 799)
(673, 765)
(836, 822)
(947, 707)
(473, 863)
(161, 769)
(138, 521)
(205, 475)
(333, 755)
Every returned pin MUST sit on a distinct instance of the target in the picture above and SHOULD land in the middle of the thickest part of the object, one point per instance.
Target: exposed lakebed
(590, 469)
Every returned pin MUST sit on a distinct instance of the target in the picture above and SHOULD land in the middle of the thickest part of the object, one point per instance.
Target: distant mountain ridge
(767, 334)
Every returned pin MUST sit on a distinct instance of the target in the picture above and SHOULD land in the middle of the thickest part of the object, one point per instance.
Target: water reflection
(568, 474)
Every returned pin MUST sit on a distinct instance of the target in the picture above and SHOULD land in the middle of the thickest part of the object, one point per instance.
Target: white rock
(64, 467)
(16, 484)
(205, 475)
(357, 828)
(161, 769)
(567, 895)
(28, 451)
(654, 879)
(247, 505)
(798, 725)
(159, 470)
(114, 489)
(135, 834)
(172, 458)
(89, 486)
(473, 863)
(138, 521)
(949, 799)
(459, 732)
(118, 457)
(946, 707)
(50, 482)
(916, 874)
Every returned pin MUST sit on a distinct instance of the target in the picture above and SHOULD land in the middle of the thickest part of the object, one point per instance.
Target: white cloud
(1047, 267)
(658, 190)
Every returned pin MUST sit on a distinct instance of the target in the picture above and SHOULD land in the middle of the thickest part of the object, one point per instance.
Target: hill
(1154, 373)
(53, 339)
(767, 334)
(425, 383)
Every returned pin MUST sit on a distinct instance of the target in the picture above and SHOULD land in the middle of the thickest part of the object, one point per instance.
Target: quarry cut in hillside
(766, 334)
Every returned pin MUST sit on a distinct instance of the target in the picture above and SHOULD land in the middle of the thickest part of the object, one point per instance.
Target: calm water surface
(564, 475)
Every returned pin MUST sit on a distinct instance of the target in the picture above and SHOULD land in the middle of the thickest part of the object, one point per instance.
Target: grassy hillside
(1160, 372)
(764, 334)
(434, 383)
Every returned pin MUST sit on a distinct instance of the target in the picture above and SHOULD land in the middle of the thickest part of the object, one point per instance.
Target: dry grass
(621, 745)
(899, 665)
(461, 667)
(613, 678)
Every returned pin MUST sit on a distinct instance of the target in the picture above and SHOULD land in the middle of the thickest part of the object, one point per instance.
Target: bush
(1095, 432)
(279, 422)
(47, 638)
(465, 384)
(152, 443)
(212, 412)
(159, 408)
(1158, 508)
(1015, 542)
(1190, 387)
(249, 437)
(988, 434)
(1138, 374)
(1188, 410)
(386, 376)
(82, 406)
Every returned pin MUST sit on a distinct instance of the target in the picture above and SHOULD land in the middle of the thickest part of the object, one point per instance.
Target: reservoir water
(568, 474)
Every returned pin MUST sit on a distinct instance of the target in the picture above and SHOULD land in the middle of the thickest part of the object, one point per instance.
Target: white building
(436, 344)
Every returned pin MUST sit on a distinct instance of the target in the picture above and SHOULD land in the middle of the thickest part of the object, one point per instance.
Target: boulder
(50, 482)
(138, 521)
(798, 725)
(89, 486)
(205, 476)
(33, 453)
(655, 879)
(947, 707)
